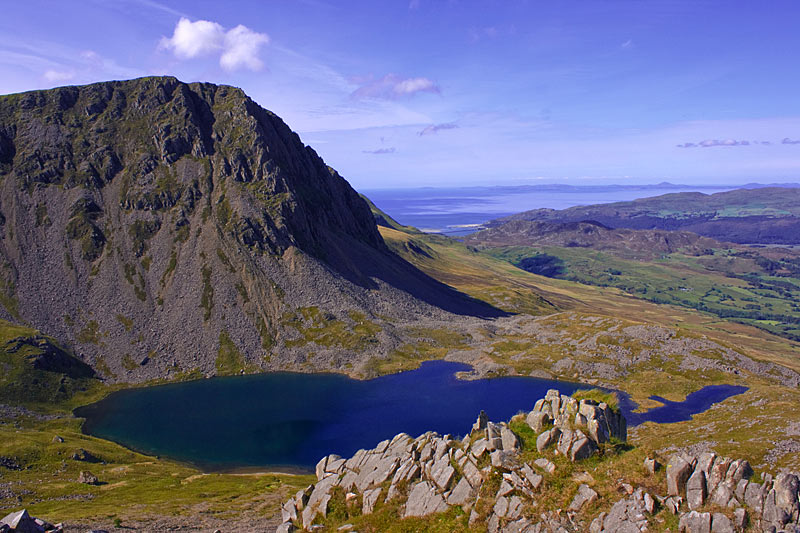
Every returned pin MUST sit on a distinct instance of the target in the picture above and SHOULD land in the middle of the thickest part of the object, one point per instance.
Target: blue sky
(443, 93)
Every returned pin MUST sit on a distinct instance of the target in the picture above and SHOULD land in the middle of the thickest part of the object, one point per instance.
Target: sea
(463, 210)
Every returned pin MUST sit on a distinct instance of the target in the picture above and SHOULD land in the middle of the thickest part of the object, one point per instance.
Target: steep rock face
(159, 227)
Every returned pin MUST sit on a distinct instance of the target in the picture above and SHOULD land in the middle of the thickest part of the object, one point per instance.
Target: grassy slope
(726, 283)
(139, 486)
(134, 486)
(496, 281)
(483, 276)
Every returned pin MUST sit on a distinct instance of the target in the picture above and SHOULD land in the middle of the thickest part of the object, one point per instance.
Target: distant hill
(158, 228)
(622, 242)
(766, 215)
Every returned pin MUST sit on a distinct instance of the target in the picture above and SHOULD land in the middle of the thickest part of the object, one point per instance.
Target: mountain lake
(287, 421)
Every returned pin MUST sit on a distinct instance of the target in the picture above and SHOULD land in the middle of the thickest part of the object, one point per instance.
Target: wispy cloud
(627, 44)
(237, 48)
(58, 76)
(380, 151)
(708, 143)
(435, 128)
(393, 86)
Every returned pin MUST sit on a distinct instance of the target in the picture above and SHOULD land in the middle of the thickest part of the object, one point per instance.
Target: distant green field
(730, 284)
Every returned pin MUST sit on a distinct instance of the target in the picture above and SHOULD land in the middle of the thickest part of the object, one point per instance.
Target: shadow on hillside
(361, 264)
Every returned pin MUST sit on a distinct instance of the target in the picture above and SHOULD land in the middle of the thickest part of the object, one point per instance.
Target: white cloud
(241, 49)
(58, 76)
(394, 86)
(415, 85)
(238, 47)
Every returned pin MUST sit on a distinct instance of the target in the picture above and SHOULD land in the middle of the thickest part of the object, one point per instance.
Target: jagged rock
(695, 522)
(21, 522)
(696, 489)
(625, 516)
(723, 495)
(649, 503)
(534, 479)
(442, 473)
(652, 465)
(721, 524)
(504, 460)
(565, 441)
(597, 524)
(472, 474)
(480, 424)
(547, 439)
(462, 494)
(479, 447)
(678, 472)
(717, 473)
(286, 527)
(423, 501)
(740, 519)
(302, 496)
(82, 455)
(87, 477)
(545, 464)
(537, 420)
(672, 504)
(509, 439)
(494, 439)
(754, 497)
(370, 498)
(505, 489)
(289, 511)
(523, 525)
(582, 448)
(787, 487)
(585, 495)
(318, 501)
(493, 524)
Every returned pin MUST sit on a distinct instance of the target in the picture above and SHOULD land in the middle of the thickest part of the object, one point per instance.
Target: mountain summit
(158, 228)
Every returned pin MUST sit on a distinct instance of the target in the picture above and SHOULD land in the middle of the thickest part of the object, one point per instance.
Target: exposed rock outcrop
(433, 473)
(495, 482)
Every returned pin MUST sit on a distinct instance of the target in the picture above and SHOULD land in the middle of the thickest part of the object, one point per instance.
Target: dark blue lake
(695, 402)
(289, 420)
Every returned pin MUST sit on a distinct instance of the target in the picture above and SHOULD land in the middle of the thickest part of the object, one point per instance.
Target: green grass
(734, 285)
(599, 396)
(315, 326)
(229, 359)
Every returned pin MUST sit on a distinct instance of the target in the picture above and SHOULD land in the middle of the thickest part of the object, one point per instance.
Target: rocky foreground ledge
(489, 476)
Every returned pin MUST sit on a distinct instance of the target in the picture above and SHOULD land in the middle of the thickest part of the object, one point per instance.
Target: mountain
(158, 228)
(767, 215)
(623, 242)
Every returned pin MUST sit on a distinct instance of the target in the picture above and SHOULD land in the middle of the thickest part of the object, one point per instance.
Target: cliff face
(159, 227)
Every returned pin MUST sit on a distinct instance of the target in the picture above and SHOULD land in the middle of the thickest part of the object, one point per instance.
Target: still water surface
(288, 420)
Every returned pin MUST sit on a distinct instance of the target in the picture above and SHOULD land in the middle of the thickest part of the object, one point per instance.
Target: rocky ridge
(484, 474)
